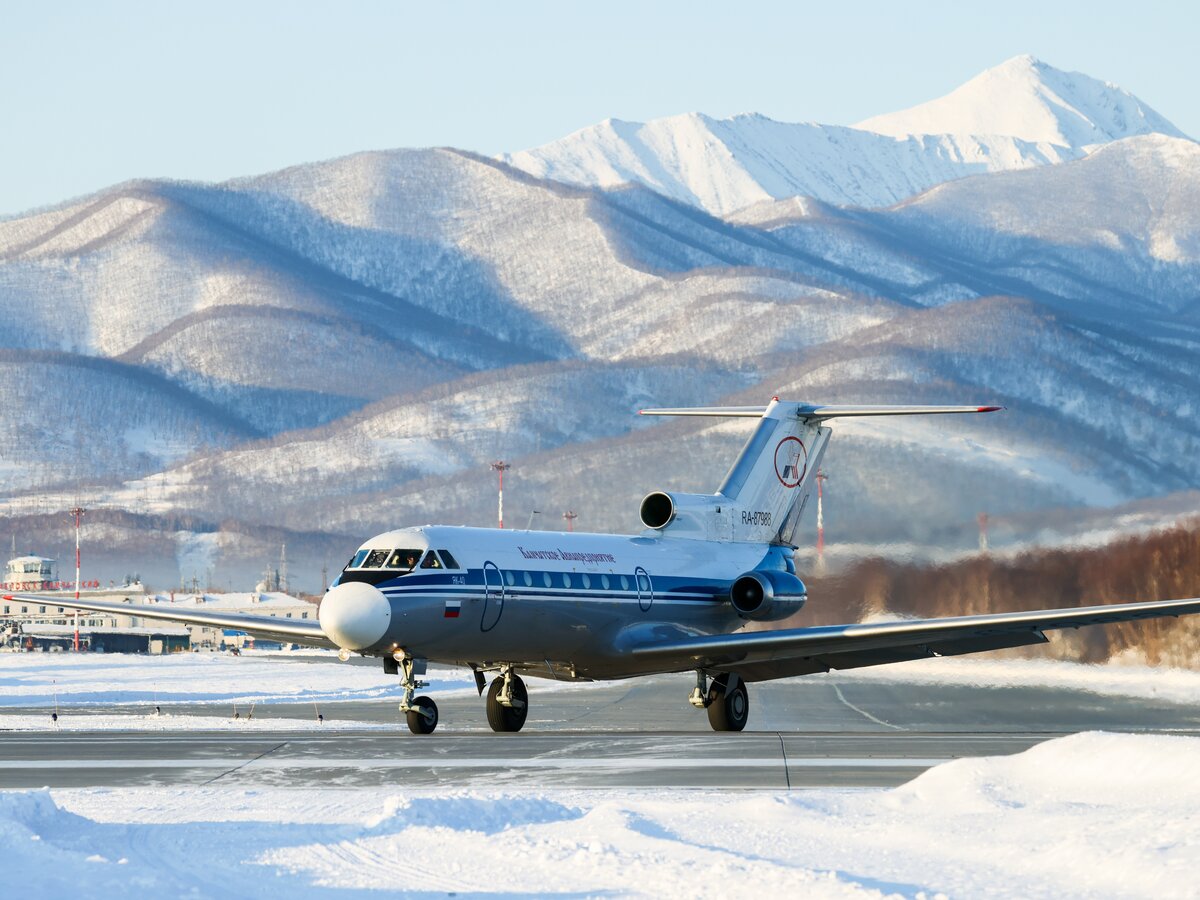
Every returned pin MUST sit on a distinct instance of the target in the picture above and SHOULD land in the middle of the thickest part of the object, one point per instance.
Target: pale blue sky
(96, 93)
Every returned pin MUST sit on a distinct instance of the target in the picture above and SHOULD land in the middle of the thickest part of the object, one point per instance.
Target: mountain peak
(1030, 100)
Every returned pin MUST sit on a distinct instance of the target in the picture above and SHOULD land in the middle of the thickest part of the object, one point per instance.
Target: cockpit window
(404, 559)
(450, 561)
(357, 561)
(431, 561)
(375, 559)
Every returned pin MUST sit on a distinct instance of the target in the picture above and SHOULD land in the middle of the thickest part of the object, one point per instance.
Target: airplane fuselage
(561, 605)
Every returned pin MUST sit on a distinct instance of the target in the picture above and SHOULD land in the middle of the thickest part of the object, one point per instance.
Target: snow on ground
(1110, 680)
(36, 679)
(1083, 816)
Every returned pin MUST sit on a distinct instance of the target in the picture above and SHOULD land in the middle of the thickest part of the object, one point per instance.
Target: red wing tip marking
(989, 409)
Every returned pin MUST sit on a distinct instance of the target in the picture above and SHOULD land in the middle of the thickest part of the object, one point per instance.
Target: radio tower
(283, 585)
(821, 479)
(501, 466)
(77, 512)
(570, 516)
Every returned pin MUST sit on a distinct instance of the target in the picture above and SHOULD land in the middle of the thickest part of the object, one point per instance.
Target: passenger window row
(565, 580)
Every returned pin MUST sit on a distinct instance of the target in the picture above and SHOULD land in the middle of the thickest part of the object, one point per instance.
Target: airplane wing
(763, 655)
(298, 631)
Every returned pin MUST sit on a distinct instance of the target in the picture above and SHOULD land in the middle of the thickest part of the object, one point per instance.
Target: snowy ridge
(724, 165)
(1018, 115)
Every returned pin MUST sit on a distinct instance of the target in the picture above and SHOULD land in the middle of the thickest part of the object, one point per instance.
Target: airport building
(48, 623)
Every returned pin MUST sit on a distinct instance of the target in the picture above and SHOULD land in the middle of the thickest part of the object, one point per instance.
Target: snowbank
(1093, 814)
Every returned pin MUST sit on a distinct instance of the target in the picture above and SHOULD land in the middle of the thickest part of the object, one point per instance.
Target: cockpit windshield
(403, 559)
(386, 558)
(375, 559)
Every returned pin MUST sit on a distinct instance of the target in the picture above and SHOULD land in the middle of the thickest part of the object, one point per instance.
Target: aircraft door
(645, 588)
(493, 596)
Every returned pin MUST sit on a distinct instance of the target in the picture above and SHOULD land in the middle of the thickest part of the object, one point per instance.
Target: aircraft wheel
(507, 718)
(728, 707)
(423, 717)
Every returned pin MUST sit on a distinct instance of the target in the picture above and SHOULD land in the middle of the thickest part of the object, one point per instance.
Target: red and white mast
(570, 516)
(77, 512)
(500, 466)
(821, 479)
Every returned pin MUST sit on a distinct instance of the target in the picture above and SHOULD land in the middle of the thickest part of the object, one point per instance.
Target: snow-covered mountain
(1020, 114)
(337, 348)
(1027, 99)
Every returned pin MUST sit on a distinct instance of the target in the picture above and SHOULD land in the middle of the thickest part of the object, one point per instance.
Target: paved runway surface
(824, 732)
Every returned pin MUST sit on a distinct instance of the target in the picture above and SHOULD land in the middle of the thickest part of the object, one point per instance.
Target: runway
(822, 732)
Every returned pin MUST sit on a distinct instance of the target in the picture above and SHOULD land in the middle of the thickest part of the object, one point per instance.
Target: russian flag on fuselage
(452, 609)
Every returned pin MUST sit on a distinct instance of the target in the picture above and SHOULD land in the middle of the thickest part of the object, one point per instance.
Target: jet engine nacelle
(767, 594)
(702, 516)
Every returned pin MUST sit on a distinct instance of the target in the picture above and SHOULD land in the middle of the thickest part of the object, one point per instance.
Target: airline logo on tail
(791, 461)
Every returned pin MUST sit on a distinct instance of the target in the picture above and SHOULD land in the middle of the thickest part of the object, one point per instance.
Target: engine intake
(658, 509)
(767, 594)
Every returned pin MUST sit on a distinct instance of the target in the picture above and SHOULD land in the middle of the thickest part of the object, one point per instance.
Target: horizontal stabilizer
(816, 411)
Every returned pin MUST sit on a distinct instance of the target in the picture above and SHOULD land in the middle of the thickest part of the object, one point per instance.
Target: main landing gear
(726, 699)
(507, 698)
(421, 713)
(507, 702)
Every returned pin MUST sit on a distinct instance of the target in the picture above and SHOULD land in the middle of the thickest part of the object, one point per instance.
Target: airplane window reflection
(431, 561)
(358, 559)
(528, 579)
(450, 561)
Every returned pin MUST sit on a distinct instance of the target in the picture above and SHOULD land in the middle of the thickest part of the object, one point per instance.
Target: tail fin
(769, 483)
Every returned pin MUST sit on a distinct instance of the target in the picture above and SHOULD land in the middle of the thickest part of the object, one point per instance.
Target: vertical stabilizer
(770, 481)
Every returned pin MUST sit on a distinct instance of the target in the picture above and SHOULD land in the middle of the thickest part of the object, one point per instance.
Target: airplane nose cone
(354, 615)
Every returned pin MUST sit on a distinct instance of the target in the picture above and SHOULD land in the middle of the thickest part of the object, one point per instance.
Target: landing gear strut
(726, 699)
(507, 702)
(421, 713)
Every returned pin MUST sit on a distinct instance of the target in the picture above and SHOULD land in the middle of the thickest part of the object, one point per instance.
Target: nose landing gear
(420, 713)
(507, 702)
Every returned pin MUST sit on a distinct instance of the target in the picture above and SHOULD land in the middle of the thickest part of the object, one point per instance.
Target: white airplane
(676, 598)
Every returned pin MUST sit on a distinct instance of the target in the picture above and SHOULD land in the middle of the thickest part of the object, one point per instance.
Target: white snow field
(38, 679)
(1092, 815)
